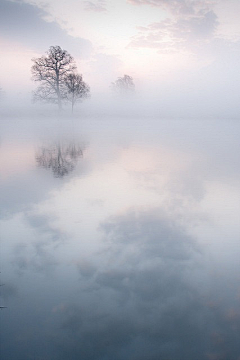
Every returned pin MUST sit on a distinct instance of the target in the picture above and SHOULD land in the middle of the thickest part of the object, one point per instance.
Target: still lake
(120, 239)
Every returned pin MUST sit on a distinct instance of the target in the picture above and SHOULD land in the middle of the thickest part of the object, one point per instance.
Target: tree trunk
(73, 101)
(58, 92)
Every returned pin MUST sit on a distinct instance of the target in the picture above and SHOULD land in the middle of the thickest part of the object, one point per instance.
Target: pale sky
(120, 222)
(162, 44)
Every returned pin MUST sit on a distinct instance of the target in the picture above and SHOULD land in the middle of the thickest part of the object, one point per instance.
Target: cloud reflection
(145, 299)
(36, 251)
(118, 264)
(139, 299)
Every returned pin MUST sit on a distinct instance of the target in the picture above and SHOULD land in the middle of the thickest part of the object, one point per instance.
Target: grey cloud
(98, 6)
(191, 25)
(180, 33)
(24, 23)
(176, 6)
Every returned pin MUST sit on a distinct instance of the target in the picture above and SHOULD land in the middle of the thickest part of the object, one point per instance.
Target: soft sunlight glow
(153, 43)
(119, 177)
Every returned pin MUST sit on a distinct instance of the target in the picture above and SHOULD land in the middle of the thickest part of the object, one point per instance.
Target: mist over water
(119, 236)
(119, 227)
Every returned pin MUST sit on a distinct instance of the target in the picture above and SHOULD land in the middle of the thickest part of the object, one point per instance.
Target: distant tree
(60, 157)
(123, 85)
(51, 70)
(77, 89)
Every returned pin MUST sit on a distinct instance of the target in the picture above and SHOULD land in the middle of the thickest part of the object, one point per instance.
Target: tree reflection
(60, 157)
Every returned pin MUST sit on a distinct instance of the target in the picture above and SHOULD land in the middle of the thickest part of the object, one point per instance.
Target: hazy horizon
(120, 219)
(181, 54)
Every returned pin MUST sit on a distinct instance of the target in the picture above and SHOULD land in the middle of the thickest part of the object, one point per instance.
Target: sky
(120, 234)
(177, 50)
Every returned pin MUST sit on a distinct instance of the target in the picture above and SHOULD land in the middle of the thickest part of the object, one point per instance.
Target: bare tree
(51, 71)
(77, 89)
(123, 85)
(60, 157)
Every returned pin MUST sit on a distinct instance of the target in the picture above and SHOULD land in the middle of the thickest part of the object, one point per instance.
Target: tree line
(61, 82)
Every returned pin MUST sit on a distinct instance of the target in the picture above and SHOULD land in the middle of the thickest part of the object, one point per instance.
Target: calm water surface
(120, 239)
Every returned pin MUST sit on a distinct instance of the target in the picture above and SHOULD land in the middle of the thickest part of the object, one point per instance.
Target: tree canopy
(51, 70)
(123, 85)
(77, 89)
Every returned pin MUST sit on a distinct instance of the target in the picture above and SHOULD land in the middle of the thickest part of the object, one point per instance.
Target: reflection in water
(137, 259)
(140, 300)
(61, 157)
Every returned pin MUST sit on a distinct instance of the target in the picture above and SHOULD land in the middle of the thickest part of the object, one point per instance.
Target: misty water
(119, 238)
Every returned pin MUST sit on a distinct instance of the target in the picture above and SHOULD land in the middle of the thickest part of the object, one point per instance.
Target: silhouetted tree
(51, 70)
(77, 89)
(123, 85)
(61, 158)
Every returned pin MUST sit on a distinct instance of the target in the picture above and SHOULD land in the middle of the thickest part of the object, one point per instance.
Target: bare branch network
(59, 79)
(123, 85)
(60, 82)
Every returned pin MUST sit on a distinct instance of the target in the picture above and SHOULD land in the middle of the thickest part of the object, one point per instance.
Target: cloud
(98, 6)
(186, 33)
(176, 6)
(25, 24)
(188, 27)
